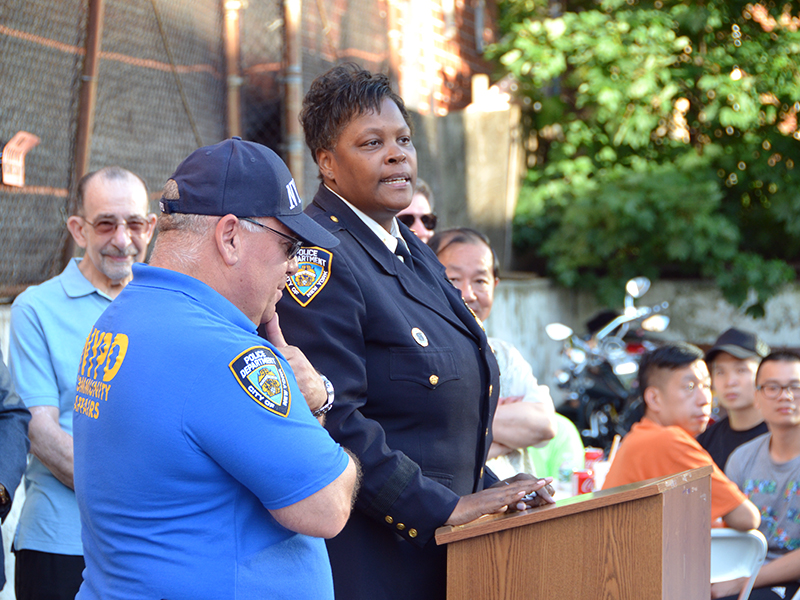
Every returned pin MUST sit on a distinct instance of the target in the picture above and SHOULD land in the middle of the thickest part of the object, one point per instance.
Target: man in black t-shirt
(732, 362)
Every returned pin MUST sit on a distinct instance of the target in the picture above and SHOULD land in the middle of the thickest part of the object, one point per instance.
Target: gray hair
(185, 234)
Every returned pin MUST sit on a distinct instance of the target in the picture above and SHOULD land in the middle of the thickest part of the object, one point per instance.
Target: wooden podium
(644, 541)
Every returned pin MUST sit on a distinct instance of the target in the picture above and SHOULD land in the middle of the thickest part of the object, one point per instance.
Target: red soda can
(591, 456)
(582, 482)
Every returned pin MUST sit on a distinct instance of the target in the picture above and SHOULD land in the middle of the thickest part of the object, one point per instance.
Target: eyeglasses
(294, 243)
(429, 221)
(773, 390)
(136, 226)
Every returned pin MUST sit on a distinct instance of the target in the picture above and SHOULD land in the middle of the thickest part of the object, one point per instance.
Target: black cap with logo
(244, 179)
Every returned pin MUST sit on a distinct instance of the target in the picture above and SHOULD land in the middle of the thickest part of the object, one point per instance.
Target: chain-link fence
(160, 87)
(263, 108)
(161, 92)
(40, 46)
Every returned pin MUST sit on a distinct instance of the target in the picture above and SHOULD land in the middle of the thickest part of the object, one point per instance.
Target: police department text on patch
(313, 272)
(261, 375)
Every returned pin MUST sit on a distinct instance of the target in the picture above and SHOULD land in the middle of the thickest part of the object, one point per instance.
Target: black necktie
(403, 253)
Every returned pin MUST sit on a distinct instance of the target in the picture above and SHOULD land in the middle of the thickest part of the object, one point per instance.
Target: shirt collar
(145, 275)
(389, 238)
(75, 283)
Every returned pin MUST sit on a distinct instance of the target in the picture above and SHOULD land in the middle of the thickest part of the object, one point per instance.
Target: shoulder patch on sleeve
(313, 273)
(261, 375)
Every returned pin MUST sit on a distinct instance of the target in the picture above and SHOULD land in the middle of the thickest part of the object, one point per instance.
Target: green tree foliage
(663, 140)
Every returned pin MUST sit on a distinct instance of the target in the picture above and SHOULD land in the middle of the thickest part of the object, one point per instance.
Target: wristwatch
(329, 402)
(4, 497)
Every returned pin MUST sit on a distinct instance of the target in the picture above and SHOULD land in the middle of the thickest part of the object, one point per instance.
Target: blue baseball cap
(244, 179)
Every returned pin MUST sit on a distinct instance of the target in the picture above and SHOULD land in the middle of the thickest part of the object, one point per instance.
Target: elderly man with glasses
(767, 469)
(49, 325)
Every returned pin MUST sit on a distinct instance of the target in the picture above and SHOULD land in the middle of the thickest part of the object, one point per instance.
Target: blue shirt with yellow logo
(188, 427)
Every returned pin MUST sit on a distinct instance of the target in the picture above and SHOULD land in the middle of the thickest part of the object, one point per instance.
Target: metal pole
(232, 53)
(88, 95)
(86, 109)
(294, 90)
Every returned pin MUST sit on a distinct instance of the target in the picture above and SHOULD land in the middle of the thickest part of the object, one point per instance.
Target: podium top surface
(569, 506)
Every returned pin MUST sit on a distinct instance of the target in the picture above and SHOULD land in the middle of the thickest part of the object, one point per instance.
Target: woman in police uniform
(415, 380)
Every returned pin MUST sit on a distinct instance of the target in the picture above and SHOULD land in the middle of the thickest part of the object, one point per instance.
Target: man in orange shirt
(675, 387)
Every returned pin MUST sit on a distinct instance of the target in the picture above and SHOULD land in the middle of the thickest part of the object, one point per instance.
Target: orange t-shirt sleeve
(656, 451)
(725, 495)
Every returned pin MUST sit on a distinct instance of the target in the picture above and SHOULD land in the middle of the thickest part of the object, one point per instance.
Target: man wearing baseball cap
(201, 466)
(732, 362)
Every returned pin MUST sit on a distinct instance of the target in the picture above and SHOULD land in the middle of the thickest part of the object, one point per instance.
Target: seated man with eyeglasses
(49, 325)
(675, 386)
(767, 469)
(418, 216)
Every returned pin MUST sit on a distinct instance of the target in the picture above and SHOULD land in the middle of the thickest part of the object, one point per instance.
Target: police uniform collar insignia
(313, 273)
(261, 375)
(419, 336)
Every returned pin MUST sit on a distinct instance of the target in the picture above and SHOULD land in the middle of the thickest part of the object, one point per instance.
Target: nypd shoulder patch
(313, 273)
(261, 375)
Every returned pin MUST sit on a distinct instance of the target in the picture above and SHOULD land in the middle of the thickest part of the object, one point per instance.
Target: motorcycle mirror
(557, 331)
(657, 323)
(626, 368)
(638, 286)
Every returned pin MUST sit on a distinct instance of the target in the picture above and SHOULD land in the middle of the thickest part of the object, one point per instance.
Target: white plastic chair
(737, 554)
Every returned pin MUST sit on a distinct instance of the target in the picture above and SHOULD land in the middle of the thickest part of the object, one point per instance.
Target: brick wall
(440, 45)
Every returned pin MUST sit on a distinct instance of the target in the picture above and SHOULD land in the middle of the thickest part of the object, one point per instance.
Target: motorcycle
(599, 372)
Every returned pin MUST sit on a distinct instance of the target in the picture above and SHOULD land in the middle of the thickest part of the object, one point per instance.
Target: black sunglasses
(429, 221)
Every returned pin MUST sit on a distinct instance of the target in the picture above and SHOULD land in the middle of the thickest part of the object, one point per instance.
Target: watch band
(329, 402)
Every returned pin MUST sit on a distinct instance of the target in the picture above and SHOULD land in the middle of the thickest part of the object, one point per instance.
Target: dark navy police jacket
(416, 389)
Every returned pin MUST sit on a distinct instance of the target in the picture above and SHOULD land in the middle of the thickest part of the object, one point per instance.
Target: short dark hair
(463, 235)
(778, 356)
(669, 357)
(337, 97)
(108, 173)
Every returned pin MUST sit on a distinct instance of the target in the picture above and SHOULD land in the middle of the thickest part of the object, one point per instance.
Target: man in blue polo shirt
(49, 325)
(201, 466)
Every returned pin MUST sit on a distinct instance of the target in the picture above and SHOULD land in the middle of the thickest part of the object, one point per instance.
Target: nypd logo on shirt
(313, 272)
(261, 375)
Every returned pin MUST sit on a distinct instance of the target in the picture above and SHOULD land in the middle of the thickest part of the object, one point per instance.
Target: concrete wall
(697, 312)
(472, 160)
